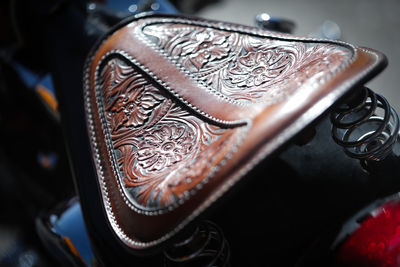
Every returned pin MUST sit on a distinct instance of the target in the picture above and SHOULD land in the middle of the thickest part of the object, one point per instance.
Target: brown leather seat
(180, 109)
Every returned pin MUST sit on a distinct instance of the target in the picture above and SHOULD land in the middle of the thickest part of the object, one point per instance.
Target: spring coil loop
(207, 246)
(367, 127)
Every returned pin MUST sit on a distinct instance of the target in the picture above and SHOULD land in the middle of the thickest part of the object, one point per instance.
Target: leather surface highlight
(180, 109)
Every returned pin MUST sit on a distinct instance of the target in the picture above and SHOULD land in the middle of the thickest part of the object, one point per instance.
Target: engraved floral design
(132, 109)
(259, 67)
(205, 46)
(155, 141)
(127, 101)
(165, 147)
(246, 68)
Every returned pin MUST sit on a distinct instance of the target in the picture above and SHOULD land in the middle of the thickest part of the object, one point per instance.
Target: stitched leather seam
(175, 94)
(112, 158)
(103, 184)
(210, 200)
(242, 30)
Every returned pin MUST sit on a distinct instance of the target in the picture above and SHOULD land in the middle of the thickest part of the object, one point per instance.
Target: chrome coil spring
(207, 246)
(367, 127)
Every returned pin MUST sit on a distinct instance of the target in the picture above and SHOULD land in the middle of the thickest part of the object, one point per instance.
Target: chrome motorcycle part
(266, 22)
(367, 127)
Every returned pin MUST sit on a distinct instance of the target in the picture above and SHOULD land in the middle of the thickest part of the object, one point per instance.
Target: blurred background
(324, 185)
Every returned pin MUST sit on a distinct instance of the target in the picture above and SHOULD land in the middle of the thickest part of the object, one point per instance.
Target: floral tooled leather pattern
(259, 67)
(155, 140)
(242, 67)
(206, 46)
(161, 149)
(164, 147)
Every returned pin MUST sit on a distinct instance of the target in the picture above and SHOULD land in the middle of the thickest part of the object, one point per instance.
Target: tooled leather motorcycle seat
(180, 109)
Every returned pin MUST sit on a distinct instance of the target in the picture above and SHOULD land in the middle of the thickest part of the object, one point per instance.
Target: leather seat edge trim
(290, 131)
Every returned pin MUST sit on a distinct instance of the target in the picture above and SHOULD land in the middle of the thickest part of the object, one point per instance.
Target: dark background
(287, 207)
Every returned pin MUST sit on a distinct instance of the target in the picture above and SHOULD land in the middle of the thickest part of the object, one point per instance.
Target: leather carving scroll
(179, 110)
(245, 68)
(161, 149)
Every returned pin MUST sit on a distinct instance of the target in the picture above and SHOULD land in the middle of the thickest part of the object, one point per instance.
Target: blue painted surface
(47, 82)
(32, 79)
(28, 77)
(70, 224)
